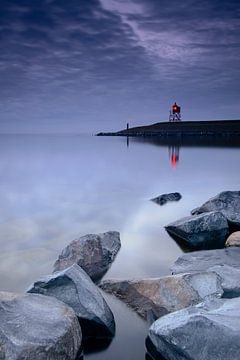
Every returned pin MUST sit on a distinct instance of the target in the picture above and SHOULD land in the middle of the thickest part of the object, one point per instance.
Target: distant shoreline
(216, 128)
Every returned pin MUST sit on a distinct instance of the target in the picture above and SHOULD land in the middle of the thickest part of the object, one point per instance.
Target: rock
(152, 298)
(203, 231)
(37, 327)
(228, 202)
(75, 288)
(233, 239)
(210, 331)
(203, 260)
(94, 253)
(230, 279)
(163, 199)
(225, 262)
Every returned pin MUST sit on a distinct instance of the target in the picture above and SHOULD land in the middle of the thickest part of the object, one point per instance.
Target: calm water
(55, 188)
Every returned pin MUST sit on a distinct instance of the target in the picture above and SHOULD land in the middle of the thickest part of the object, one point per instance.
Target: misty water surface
(54, 188)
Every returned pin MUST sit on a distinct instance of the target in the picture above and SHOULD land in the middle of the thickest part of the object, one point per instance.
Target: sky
(83, 66)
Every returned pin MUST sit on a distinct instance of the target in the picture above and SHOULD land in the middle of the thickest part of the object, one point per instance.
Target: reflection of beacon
(175, 113)
(174, 155)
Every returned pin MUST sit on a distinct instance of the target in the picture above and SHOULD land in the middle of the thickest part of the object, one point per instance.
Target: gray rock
(94, 253)
(207, 331)
(225, 262)
(228, 202)
(152, 298)
(203, 231)
(203, 260)
(75, 288)
(37, 327)
(163, 199)
(233, 239)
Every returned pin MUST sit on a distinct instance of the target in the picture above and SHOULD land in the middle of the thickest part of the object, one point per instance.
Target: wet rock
(93, 252)
(210, 330)
(230, 279)
(202, 231)
(152, 298)
(75, 288)
(233, 239)
(163, 199)
(228, 202)
(37, 327)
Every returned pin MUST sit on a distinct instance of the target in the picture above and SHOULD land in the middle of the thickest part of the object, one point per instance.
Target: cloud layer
(84, 65)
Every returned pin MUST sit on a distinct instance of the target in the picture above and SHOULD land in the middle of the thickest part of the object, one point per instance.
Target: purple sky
(91, 65)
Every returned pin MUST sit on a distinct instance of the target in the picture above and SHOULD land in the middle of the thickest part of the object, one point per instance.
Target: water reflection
(173, 151)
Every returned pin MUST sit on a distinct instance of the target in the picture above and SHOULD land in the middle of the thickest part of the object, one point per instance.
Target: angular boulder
(224, 262)
(203, 231)
(75, 288)
(228, 202)
(210, 331)
(37, 327)
(233, 239)
(163, 199)
(152, 298)
(93, 252)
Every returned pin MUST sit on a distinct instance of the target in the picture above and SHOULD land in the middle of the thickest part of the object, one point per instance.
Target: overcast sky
(90, 65)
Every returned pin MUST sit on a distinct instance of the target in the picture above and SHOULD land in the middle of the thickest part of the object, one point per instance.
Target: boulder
(228, 202)
(233, 239)
(163, 199)
(203, 260)
(152, 298)
(224, 262)
(93, 252)
(75, 288)
(210, 330)
(37, 327)
(203, 231)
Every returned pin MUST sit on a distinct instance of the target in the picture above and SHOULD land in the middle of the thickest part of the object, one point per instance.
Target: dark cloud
(80, 65)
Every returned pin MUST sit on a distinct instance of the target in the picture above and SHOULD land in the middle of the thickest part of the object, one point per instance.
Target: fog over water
(56, 188)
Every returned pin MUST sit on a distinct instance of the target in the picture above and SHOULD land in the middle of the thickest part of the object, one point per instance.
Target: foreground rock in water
(228, 202)
(75, 288)
(225, 262)
(163, 199)
(37, 327)
(233, 239)
(152, 298)
(208, 331)
(203, 231)
(94, 253)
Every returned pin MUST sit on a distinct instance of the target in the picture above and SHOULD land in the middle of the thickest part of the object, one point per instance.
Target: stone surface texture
(37, 327)
(208, 331)
(152, 298)
(224, 262)
(203, 231)
(93, 252)
(233, 239)
(228, 202)
(75, 288)
(165, 198)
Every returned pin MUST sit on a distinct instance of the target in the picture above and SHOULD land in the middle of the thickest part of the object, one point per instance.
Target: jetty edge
(182, 128)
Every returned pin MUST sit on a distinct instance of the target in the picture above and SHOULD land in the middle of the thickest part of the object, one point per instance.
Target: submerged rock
(37, 327)
(202, 231)
(152, 298)
(228, 202)
(163, 199)
(233, 239)
(210, 330)
(224, 262)
(75, 288)
(93, 252)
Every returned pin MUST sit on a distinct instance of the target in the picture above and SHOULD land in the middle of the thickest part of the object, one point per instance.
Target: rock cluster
(60, 312)
(210, 224)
